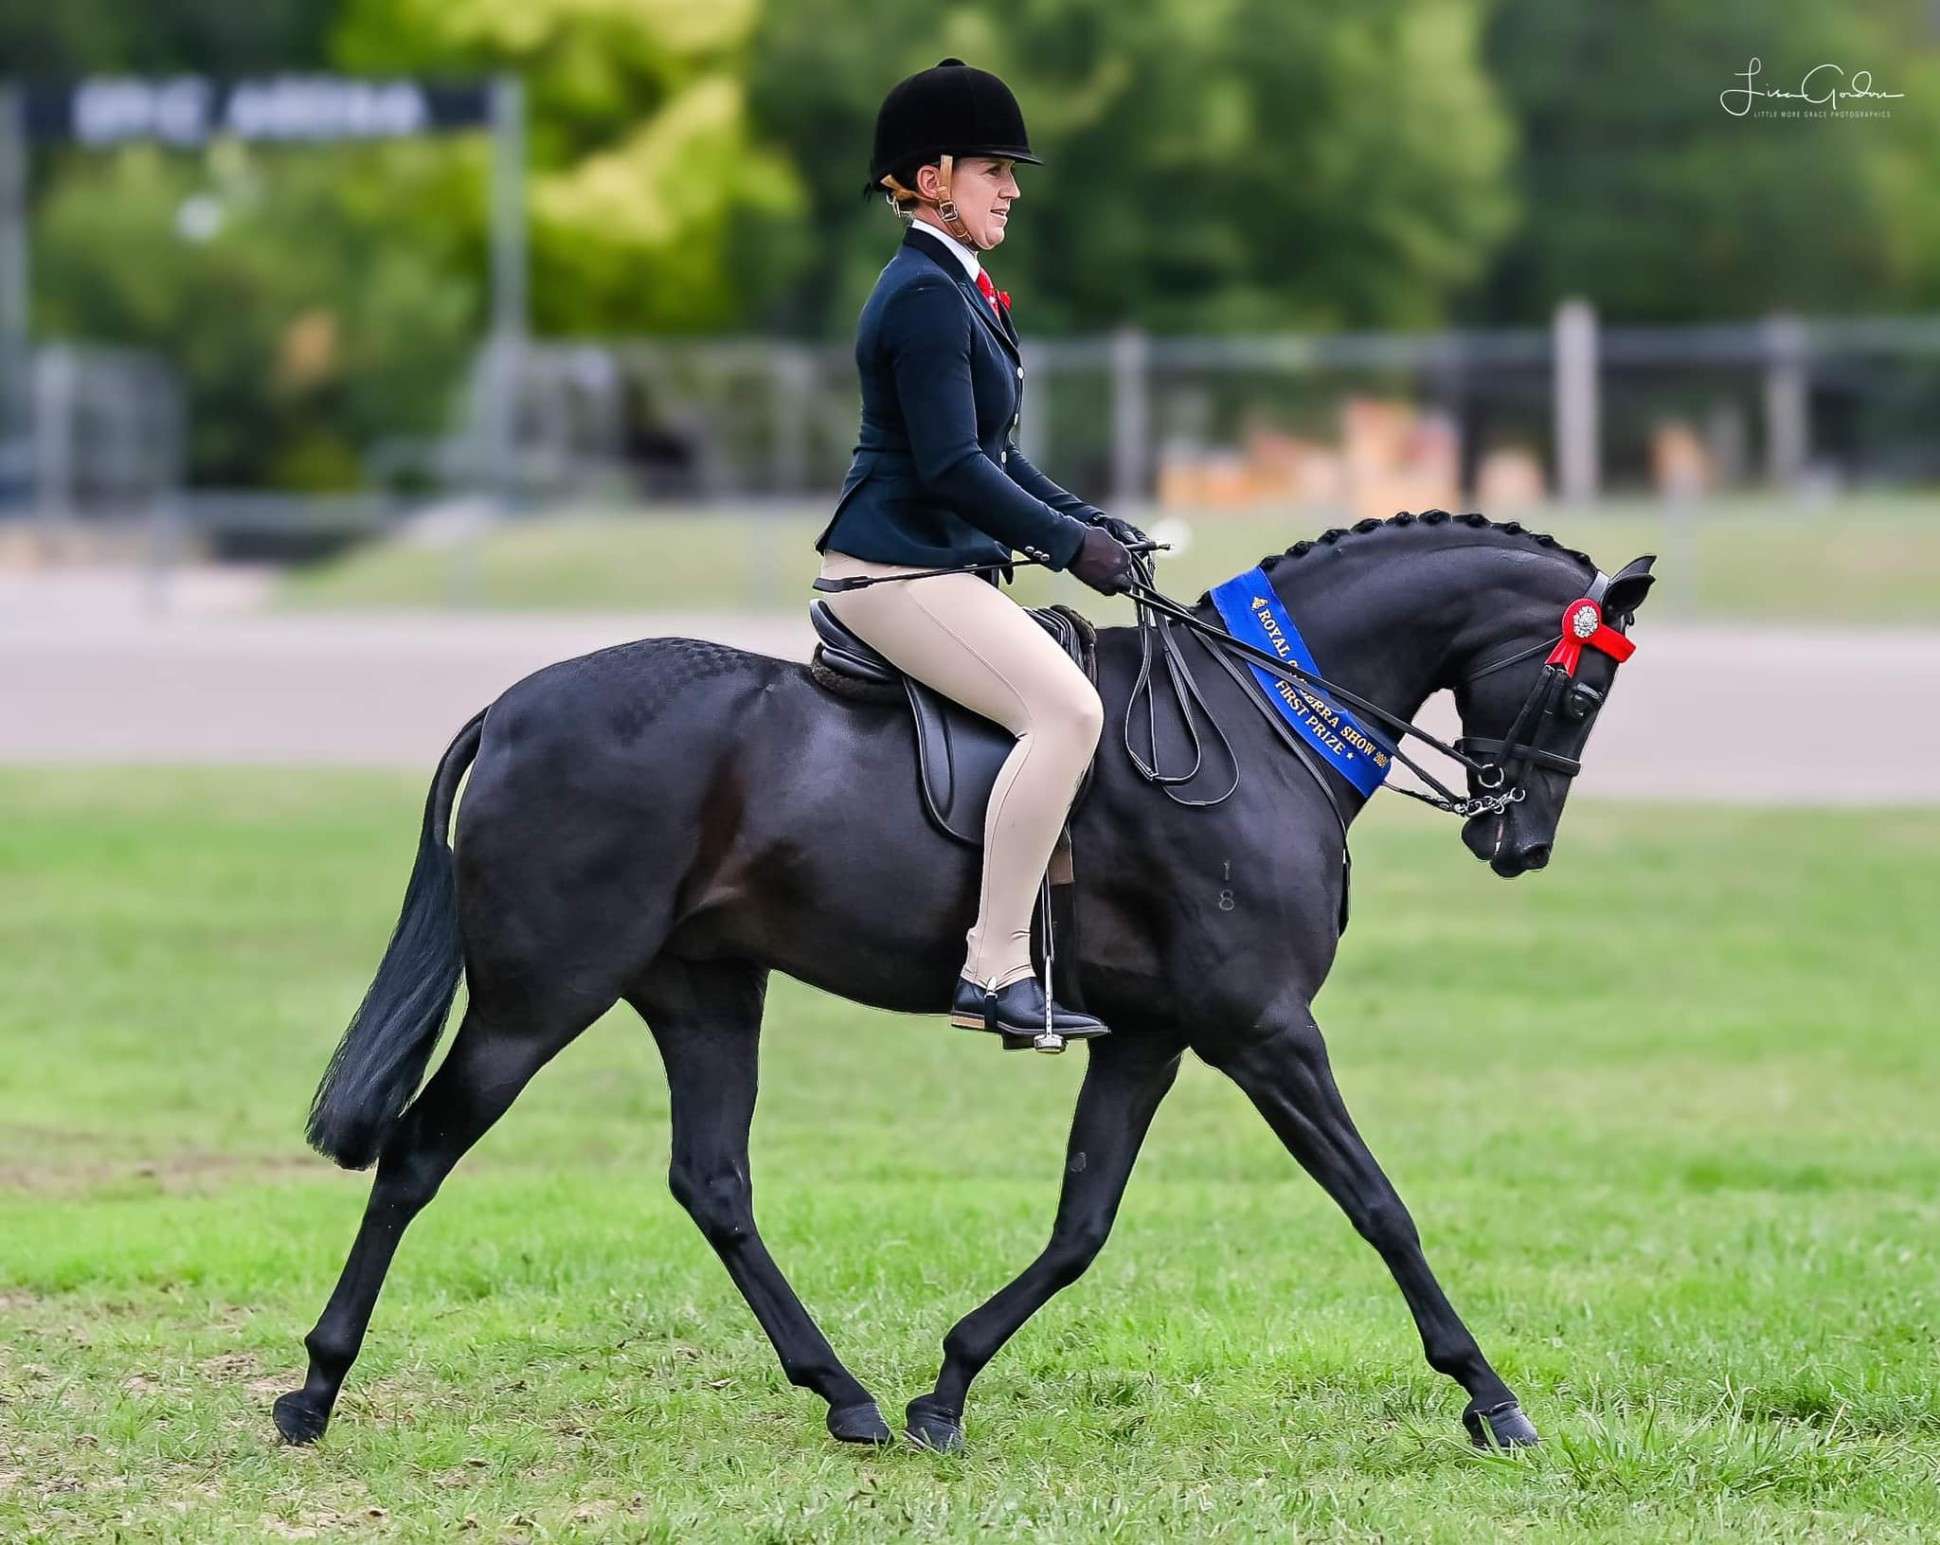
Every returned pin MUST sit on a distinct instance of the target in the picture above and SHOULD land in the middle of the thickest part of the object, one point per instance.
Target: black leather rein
(1156, 611)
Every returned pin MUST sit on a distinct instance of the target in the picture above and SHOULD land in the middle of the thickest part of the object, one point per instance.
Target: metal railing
(1782, 403)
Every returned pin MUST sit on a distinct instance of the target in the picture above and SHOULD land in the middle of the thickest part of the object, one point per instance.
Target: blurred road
(89, 674)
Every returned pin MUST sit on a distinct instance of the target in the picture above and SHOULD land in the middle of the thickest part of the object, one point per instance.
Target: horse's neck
(1396, 622)
(1380, 626)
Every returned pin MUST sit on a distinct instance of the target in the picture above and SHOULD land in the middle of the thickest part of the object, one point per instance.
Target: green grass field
(1665, 1115)
(1865, 558)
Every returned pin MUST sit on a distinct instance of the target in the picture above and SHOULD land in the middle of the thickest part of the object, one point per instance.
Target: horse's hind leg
(480, 1077)
(707, 1020)
(1125, 1079)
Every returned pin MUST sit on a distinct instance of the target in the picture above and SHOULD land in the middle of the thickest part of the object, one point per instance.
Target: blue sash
(1253, 614)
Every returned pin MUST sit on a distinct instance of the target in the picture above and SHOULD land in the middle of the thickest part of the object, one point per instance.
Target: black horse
(668, 821)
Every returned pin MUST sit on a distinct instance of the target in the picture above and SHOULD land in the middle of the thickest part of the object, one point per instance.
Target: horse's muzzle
(1482, 834)
(1493, 839)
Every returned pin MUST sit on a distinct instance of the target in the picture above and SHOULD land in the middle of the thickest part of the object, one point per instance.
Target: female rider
(937, 482)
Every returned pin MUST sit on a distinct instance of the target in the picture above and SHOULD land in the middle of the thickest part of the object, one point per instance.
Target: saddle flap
(958, 752)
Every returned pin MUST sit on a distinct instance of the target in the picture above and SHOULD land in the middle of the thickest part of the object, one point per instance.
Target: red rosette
(1584, 627)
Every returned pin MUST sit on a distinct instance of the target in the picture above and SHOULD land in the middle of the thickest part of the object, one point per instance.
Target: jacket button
(1020, 372)
(1003, 457)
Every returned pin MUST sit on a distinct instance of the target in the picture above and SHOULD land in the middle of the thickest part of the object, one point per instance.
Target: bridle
(1555, 694)
(1496, 766)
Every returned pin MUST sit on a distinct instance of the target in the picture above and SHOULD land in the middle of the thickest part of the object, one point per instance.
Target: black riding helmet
(952, 110)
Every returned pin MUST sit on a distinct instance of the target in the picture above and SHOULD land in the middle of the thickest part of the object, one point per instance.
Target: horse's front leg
(1126, 1078)
(1285, 1072)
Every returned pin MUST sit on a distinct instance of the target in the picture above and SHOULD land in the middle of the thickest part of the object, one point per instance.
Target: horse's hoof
(858, 1423)
(298, 1420)
(932, 1427)
(1502, 1426)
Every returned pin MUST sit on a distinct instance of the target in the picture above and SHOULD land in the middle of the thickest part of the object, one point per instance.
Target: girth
(958, 752)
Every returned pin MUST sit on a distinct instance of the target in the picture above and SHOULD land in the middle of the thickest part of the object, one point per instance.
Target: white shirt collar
(967, 256)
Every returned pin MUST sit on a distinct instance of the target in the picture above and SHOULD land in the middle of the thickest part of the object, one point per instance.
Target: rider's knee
(1085, 714)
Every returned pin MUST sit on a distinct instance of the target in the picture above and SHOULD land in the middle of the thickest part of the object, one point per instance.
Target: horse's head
(1530, 713)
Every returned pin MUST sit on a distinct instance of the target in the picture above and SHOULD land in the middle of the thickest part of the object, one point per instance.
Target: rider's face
(984, 188)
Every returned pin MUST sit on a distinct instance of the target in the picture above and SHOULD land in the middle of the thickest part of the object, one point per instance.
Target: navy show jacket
(936, 480)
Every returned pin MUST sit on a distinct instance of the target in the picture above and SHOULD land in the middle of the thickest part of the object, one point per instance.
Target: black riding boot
(1018, 1009)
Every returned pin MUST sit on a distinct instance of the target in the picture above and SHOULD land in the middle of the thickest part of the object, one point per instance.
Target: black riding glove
(1124, 530)
(1102, 562)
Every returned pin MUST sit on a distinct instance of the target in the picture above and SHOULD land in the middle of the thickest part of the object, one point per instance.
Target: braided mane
(1472, 520)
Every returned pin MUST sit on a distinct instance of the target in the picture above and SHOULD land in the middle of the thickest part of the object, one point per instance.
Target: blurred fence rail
(1357, 422)
(1778, 403)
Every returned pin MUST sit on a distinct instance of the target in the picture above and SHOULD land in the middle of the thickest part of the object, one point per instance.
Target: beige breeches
(963, 636)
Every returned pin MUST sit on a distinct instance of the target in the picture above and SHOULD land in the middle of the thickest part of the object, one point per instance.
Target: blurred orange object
(1398, 458)
(1509, 479)
(1680, 466)
(1392, 457)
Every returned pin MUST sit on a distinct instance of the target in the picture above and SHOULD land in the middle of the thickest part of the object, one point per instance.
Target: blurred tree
(271, 280)
(319, 301)
(1641, 192)
(215, 37)
(304, 331)
(644, 163)
(1242, 164)
(1899, 175)
(1213, 164)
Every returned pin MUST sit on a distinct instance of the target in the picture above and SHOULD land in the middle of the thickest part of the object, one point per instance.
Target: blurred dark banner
(193, 109)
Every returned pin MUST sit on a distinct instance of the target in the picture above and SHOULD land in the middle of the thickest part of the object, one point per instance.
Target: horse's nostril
(1535, 855)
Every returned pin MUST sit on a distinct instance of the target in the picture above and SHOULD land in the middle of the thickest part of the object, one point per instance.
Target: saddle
(958, 752)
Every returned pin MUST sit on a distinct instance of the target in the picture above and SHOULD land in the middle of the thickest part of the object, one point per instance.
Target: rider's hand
(1102, 562)
(1124, 530)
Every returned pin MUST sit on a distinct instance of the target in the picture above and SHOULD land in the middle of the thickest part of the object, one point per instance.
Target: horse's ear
(1627, 589)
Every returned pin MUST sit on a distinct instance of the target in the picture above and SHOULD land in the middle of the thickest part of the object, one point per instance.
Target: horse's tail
(376, 1067)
